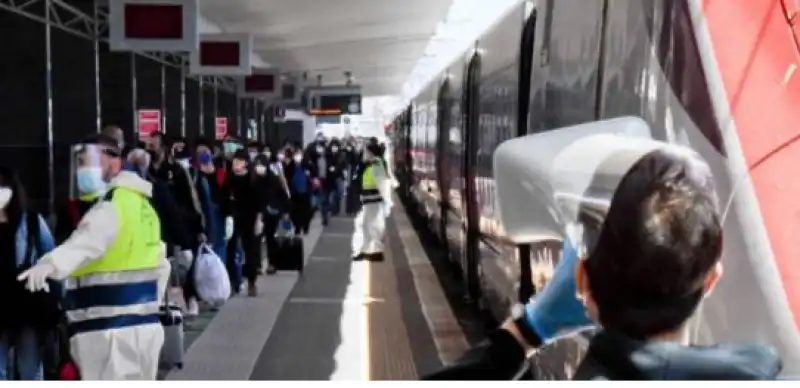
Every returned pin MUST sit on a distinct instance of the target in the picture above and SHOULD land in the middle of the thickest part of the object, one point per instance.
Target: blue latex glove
(556, 309)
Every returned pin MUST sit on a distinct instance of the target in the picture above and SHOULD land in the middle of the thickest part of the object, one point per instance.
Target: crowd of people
(228, 195)
(104, 270)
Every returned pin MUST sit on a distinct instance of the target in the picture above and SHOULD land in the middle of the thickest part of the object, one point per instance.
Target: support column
(51, 181)
(183, 98)
(135, 105)
(201, 111)
(163, 97)
(96, 43)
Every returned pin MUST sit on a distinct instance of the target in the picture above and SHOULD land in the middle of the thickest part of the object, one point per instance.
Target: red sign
(148, 122)
(220, 127)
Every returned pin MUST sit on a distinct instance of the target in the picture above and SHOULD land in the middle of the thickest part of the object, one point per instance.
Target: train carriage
(715, 76)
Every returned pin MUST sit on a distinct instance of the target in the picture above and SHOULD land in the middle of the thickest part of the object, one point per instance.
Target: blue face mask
(230, 148)
(90, 180)
(204, 158)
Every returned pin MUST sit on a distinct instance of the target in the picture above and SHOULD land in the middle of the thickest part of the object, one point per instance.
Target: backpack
(299, 181)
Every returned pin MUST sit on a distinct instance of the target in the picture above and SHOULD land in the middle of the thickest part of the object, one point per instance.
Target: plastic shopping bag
(211, 277)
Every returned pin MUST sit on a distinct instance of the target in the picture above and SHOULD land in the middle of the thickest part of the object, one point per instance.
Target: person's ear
(581, 283)
(712, 278)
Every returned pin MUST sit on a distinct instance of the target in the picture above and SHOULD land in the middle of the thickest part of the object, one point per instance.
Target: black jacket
(180, 185)
(173, 231)
(615, 357)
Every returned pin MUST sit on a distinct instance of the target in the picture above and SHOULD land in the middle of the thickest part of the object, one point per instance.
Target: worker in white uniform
(370, 222)
(390, 182)
(115, 271)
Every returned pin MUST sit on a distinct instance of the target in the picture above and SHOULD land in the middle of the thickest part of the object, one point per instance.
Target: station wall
(43, 112)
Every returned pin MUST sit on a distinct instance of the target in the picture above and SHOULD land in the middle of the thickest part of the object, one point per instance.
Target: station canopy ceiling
(379, 41)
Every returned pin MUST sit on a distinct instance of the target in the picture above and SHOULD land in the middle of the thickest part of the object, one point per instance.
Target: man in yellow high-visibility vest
(370, 222)
(115, 269)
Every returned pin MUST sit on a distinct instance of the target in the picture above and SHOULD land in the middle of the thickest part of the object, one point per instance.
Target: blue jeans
(216, 231)
(334, 196)
(27, 355)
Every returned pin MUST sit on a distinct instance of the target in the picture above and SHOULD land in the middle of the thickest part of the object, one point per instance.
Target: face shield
(559, 184)
(89, 167)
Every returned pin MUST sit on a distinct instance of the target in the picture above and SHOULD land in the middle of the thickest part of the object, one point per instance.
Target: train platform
(339, 320)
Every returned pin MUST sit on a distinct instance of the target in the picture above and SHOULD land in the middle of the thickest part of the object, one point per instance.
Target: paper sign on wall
(148, 122)
(220, 127)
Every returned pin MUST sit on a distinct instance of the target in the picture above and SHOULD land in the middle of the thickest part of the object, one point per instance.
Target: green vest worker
(370, 221)
(115, 270)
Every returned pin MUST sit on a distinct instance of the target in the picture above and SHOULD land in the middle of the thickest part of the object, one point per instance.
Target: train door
(442, 170)
(471, 242)
(526, 288)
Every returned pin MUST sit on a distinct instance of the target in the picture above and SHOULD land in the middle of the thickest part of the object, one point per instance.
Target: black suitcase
(290, 255)
(352, 201)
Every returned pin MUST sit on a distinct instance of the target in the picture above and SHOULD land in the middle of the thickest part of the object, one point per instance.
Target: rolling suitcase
(290, 255)
(172, 351)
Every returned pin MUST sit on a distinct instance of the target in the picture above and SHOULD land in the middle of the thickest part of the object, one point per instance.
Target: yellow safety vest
(89, 197)
(369, 186)
(138, 242)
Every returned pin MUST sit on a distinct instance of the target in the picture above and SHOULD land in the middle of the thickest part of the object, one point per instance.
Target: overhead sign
(220, 127)
(222, 54)
(262, 83)
(153, 25)
(334, 100)
(148, 122)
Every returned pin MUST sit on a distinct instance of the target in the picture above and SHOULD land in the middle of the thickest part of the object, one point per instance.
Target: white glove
(188, 256)
(228, 228)
(36, 276)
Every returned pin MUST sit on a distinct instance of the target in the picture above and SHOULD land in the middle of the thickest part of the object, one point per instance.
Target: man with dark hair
(115, 133)
(640, 278)
(170, 165)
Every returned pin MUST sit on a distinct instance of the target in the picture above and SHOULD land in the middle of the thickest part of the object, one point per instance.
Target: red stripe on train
(756, 55)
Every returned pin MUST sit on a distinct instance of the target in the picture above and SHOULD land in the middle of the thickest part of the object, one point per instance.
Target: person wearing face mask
(298, 176)
(79, 202)
(253, 150)
(115, 271)
(210, 194)
(370, 222)
(245, 207)
(333, 185)
(29, 317)
(171, 164)
(269, 187)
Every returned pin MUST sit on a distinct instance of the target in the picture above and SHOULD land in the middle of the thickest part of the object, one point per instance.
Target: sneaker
(192, 308)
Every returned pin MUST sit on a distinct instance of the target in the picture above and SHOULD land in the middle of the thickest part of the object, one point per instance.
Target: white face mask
(261, 170)
(267, 153)
(320, 150)
(5, 197)
(298, 158)
(253, 155)
(334, 149)
(281, 157)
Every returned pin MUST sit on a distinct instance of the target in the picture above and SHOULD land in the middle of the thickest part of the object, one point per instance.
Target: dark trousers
(243, 233)
(301, 212)
(189, 286)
